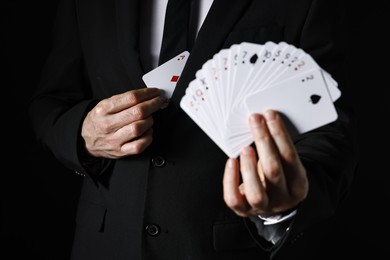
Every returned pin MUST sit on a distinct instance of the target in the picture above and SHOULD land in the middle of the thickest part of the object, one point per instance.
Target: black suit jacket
(96, 55)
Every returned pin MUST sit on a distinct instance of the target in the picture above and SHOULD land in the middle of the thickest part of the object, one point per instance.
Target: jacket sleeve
(63, 97)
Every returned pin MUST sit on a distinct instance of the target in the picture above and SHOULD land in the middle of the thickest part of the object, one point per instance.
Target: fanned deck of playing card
(248, 78)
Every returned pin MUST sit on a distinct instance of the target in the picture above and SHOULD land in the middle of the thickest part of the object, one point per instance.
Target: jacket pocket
(91, 215)
(231, 236)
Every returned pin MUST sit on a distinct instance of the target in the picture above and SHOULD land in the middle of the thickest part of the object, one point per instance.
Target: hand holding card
(251, 78)
(167, 75)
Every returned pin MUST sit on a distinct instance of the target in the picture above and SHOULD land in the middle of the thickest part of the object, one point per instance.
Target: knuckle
(111, 144)
(109, 103)
(132, 97)
(137, 148)
(256, 199)
(101, 108)
(271, 168)
(137, 112)
(135, 129)
(105, 126)
(232, 201)
(290, 156)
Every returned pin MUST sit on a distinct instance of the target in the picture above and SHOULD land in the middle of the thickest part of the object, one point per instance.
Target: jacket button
(152, 230)
(158, 161)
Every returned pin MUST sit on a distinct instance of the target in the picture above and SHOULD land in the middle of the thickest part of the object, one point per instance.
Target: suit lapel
(127, 18)
(221, 18)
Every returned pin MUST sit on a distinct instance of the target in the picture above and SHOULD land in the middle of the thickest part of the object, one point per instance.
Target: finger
(137, 112)
(267, 152)
(128, 99)
(231, 193)
(281, 136)
(139, 145)
(295, 172)
(133, 130)
(254, 191)
(145, 108)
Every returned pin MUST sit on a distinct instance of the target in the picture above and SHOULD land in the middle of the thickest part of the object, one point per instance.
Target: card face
(304, 102)
(250, 77)
(166, 76)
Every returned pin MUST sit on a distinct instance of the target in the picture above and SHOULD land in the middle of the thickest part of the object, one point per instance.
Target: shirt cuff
(274, 219)
(273, 228)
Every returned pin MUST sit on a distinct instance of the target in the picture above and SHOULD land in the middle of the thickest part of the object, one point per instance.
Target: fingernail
(270, 115)
(256, 119)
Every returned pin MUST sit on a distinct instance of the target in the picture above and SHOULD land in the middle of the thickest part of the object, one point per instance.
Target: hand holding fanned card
(251, 78)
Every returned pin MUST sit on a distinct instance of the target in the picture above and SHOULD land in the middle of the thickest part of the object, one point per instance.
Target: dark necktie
(176, 27)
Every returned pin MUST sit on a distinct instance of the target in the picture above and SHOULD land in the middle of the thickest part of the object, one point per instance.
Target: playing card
(334, 91)
(195, 104)
(248, 62)
(167, 75)
(250, 78)
(304, 102)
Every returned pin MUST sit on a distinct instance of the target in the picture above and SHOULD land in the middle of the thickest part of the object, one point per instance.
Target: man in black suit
(155, 186)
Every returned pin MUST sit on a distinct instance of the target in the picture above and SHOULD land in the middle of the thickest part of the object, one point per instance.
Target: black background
(39, 196)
